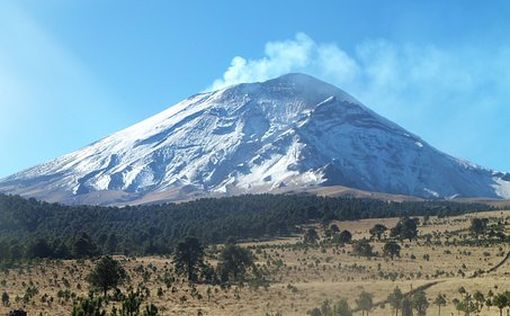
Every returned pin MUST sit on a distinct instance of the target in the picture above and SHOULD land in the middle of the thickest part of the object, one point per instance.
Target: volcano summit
(292, 132)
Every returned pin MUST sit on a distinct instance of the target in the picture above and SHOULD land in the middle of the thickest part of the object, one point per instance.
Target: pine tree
(395, 299)
(407, 309)
(365, 302)
(107, 274)
(420, 303)
(5, 299)
(440, 301)
(189, 257)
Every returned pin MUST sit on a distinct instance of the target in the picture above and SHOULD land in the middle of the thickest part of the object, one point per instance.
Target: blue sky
(72, 72)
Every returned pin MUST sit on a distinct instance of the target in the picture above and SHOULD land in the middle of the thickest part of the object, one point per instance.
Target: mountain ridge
(291, 132)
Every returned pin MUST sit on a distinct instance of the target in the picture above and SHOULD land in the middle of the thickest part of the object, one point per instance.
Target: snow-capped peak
(293, 131)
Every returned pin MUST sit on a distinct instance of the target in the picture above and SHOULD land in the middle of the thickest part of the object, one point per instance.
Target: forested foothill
(35, 229)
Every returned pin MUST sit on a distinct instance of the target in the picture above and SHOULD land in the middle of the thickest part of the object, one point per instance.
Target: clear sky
(72, 72)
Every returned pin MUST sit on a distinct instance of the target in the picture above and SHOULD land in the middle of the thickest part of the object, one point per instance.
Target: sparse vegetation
(444, 265)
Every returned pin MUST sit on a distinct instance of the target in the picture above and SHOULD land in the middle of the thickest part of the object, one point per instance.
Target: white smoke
(415, 85)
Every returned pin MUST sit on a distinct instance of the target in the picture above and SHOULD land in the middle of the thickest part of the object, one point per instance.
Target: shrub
(363, 248)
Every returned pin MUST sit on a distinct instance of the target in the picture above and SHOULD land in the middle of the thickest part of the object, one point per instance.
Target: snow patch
(502, 188)
(431, 192)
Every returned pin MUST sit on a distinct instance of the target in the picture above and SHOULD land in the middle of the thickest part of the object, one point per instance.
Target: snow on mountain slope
(290, 132)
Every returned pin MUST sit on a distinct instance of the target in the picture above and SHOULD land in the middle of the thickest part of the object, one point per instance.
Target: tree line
(34, 229)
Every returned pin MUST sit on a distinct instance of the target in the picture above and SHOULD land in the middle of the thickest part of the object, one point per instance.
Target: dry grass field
(302, 277)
